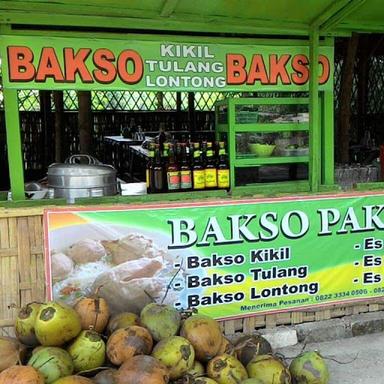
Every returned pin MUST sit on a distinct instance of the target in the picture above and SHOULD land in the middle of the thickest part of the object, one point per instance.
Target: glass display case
(268, 139)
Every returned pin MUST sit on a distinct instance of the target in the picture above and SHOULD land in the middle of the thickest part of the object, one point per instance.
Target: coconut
(204, 380)
(56, 323)
(105, 377)
(128, 342)
(61, 266)
(74, 380)
(226, 369)
(309, 368)
(269, 370)
(93, 312)
(19, 374)
(86, 251)
(11, 352)
(205, 335)
(25, 324)
(142, 370)
(161, 320)
(252, 381)
(52, 363)
(225, 347)
(196, 370)
(247, 347)
(122, 320)
(176, 353)
(87, 351)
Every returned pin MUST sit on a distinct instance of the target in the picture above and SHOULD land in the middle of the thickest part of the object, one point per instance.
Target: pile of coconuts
(59, 344)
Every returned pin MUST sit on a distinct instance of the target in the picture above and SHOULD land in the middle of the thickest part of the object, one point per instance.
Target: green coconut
(309, 368)
(247, 347)
(25, 324)
(87, 351)
(161, 320)
(269, 370)
(204, 380)
(196, 370)
(56, 323)
(252, 381)
(226, 369)
(122, 320)
(176, 353)
(52, 362)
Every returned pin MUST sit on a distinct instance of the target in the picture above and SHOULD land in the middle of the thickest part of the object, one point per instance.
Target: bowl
(262, 150)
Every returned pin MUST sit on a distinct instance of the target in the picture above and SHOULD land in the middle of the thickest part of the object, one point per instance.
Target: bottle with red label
(173, 171)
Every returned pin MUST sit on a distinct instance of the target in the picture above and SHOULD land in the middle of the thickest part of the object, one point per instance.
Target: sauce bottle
(210, 168)
(173, 171)
(185, 170)
(198, 174)
(149, 170)
(222, 168)
(158, 172)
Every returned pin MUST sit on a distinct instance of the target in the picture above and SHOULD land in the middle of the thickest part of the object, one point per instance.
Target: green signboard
(228, 259)
(78, 63)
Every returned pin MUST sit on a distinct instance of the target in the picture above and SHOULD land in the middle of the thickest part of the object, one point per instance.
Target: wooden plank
(24, 258)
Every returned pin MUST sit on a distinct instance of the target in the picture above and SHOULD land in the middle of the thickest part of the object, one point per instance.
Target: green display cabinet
(268, 142)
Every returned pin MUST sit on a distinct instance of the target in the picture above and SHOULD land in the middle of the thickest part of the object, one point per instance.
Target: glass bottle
(198, 174)
(149, 170)
(173, 171)
(222, 168)
(210, 168)
(158, 172)
(185, 169)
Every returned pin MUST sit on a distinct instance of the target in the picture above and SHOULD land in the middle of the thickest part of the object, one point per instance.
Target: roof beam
(336, 19)
(330, 11)
(168, 8)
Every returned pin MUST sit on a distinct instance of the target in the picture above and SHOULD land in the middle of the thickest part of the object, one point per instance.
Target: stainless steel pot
(73, 179)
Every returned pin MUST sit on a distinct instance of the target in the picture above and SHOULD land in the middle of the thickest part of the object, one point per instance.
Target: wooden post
(343, 134)
(59, 124)
(85, 122)
(191, 112)
(362, 90)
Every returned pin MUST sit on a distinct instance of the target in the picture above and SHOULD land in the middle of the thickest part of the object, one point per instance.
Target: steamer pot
(82, 176)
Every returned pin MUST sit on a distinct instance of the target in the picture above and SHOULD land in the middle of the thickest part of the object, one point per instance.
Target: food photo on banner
(226, 259)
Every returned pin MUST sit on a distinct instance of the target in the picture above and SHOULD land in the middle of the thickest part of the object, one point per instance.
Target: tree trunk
(85, 122)
(342, 155)
(59, 125)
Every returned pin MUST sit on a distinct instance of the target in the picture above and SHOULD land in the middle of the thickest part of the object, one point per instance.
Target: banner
(228, 259)
(105, 64)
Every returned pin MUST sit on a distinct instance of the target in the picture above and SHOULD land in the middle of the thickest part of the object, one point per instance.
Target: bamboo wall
(22, 278)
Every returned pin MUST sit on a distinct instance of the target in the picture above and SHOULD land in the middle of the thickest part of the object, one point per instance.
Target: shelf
(272, 188)
(271, 127)
(255, 161)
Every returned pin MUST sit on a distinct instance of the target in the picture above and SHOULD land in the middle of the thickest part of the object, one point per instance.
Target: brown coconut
(247, 347)
(19, 374)
(128, 342)
(105, 377)
(142, 370)
(93, 312)
(73, 380)
(11, 352)
(205, 335)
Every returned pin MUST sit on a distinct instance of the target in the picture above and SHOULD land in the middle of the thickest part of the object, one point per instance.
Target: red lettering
(300, 66)
(20, 64)
(103, 60)
(277, 69)
(49, 66)
(138, 67)
(236, 73)
(75, 64)
(323, 60)
(257, 71)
